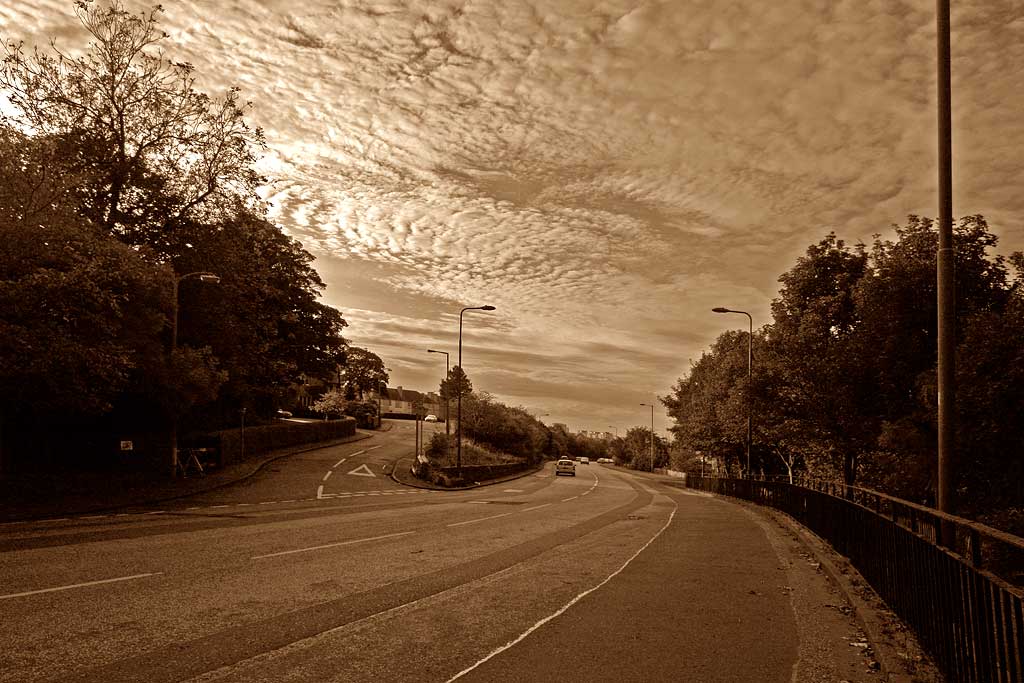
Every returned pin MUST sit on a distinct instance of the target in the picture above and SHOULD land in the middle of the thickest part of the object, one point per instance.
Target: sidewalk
(60, 493)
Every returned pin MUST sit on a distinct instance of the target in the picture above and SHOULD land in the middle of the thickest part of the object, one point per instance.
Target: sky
(603, 172)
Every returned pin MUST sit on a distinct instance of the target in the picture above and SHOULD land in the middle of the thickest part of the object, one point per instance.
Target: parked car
(565, 466)
(430, 418)
(585, 460)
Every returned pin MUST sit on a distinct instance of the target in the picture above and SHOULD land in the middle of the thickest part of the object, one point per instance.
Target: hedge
(265, 438)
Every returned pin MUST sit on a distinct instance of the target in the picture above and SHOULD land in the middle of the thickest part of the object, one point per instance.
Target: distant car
(604, 460)
(565, 466)
(430, 418)
(585, 460)
(284, 413)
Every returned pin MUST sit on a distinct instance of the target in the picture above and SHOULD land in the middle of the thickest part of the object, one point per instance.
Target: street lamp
(652, 433)
(750, 358)
(202, 276)
(447, 401)
(616, 430)
(458, 430)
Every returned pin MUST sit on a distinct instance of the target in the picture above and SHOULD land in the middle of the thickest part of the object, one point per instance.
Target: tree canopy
(117, 178)
(844, 381)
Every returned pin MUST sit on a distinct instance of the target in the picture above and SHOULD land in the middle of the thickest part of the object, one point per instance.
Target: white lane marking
(78, 585)
(362, 471)
(352, 455)
(585, 493)
(155, 512)
(268, 502)
(319, 491)
(536, 507)
(93, 517)
(482, 519)
(218, 506)
(566, 500)
(569, 604)
(484, 502)
(332, 545)
(328, 475)
(512, 490)
(374, 447)
(339, 462)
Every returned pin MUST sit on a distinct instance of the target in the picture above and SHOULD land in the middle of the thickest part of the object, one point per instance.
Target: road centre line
(536, 507)
(374, 447)
(352, 455)
(566, 500)
(328, 475)
(569, 604)
(481, 519)
(339, 462)
(78, 585)
(332, 545)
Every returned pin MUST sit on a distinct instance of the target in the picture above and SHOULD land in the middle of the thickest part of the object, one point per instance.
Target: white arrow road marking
(363, 471)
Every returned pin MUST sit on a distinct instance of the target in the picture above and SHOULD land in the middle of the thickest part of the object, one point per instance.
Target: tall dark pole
(458, 429)
(447, 401)
(945, 269)
(202, 276)
(750, 365)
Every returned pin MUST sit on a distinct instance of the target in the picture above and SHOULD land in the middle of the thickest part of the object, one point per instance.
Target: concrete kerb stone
(894, 667)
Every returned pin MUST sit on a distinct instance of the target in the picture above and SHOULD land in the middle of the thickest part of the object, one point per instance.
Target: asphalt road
(321, 568)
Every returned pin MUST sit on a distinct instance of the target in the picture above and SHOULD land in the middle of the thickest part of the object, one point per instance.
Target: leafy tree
(455, 384)
(364, 370)
(159, 155)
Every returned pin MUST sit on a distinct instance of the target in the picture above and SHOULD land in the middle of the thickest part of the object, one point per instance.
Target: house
(401, 401)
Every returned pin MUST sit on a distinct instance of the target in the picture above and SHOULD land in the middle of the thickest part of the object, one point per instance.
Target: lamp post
(652, 433)
(458, 430)
(447, 372)
(616, 430)
(750, 358)
(945, 273)
(202, 276)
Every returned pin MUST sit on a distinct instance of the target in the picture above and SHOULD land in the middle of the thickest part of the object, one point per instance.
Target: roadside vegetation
(141, 281)
(844, 385)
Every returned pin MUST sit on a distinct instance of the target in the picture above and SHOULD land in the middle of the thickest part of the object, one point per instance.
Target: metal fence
(948, 578)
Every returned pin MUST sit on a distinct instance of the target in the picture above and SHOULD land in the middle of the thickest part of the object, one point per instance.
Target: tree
(159, 155)
(80, 313)
(457, 383)
(829, 389)
(364, 370)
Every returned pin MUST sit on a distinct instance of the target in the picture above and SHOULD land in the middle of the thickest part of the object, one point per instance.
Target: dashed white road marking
(78, 585)
(320, 491)
(566, 500)
(333, 545)
(536, 507)
(512, 490)
(374, 447)
(339, 462)
(328, 475)
(481, 519)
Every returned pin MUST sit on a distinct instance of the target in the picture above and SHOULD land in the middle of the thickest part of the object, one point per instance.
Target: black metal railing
(951, 580)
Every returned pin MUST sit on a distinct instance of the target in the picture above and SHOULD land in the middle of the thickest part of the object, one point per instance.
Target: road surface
(321, 568)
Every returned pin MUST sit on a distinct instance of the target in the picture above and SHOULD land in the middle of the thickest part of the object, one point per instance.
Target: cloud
(598, 171)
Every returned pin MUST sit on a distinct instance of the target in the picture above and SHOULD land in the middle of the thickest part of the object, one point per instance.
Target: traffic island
(424, 475)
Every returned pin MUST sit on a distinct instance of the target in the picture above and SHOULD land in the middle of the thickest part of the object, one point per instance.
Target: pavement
(66, 492)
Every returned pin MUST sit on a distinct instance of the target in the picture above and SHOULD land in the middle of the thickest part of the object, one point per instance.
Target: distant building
(401, 401)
